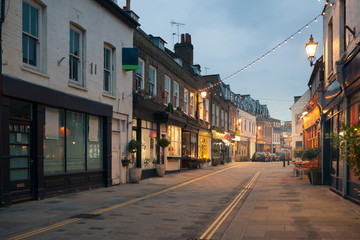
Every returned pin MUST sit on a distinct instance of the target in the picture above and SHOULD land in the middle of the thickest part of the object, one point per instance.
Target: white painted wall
(99, 27)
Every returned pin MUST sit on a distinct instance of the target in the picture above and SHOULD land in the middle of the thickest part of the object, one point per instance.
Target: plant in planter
(348, 141)
(160, 168)
(134, 173)
(315, 174)
(310, 154)
(298, 152)
(125, 161)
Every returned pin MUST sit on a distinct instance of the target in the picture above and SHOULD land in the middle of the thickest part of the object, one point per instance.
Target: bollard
(284, 163)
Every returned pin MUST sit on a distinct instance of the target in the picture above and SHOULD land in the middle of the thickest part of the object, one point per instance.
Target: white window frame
(140, 74)
(192, 104)
(110, 71)
(213, 111)
(186, 101)
(201, 108)
(222, 118)
(152, 83)
(167, 80)
(206, 107)
(79, 57)
(176, 94)
(39, 58)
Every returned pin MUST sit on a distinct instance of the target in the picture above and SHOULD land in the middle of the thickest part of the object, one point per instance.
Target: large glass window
(75, 142)
(189, 143)
(94, 143)
(174, 134)
(54, 155)
(30, 35)
(148, 140)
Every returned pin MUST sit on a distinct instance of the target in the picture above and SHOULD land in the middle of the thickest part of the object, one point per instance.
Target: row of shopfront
(191, 141)
(339, 103)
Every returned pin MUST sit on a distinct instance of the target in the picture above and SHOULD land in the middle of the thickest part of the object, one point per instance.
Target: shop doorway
(21, 184)
(21, 162)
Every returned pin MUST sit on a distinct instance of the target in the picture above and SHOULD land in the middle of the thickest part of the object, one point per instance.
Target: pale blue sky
(229, 34)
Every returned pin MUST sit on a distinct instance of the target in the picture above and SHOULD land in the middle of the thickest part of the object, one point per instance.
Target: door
(21, 186)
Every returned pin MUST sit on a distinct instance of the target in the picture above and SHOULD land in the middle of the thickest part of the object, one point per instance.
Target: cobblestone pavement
(270, 204)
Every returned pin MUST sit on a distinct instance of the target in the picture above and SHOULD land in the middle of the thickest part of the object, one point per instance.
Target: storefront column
(107, 150)
(5, 197)
(38, 161)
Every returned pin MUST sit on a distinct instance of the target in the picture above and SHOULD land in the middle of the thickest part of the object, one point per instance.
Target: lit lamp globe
(311, 50)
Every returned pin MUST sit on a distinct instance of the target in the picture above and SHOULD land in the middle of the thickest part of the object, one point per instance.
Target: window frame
(206, 108)
(111, 71)
(80, 57)
(176, 91)
(167, 79)
(140, 76)
(192, 104)
(154, 83)
(39, 58)
(186, 101)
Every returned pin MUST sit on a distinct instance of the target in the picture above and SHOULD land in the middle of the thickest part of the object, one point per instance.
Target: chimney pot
(127, 7)
(182, 38)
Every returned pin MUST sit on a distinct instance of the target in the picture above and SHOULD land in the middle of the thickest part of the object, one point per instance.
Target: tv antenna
(177, 25)
(206, 68)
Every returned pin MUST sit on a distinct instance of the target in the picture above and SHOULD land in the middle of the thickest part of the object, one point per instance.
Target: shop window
(189, 143)
(75, 142)
(148, 140)
(204, 147)
(77, 132)
(54, 155)
(174, 134)
(94, 143)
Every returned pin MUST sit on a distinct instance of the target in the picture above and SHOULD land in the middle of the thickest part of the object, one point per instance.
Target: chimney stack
(127, 7)
(185, 49)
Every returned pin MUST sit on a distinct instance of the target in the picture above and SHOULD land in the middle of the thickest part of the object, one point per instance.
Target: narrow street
(232, 201)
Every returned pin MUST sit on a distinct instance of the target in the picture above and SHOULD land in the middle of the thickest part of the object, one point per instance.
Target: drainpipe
(2, 19)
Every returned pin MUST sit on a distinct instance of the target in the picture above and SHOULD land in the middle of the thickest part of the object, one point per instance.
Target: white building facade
(65, 97)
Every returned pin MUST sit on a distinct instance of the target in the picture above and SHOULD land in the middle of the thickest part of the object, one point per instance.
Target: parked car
(267, 157)
(274, 157)
(259, 157)
(281, 156)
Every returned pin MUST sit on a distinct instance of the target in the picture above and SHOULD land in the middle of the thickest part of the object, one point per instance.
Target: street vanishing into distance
(245, 200)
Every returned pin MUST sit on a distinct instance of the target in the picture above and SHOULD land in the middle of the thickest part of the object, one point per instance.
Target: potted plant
(125, 161)
(310, 154)
(298, 152)
(348, 141)
(134, 173)
(315, 173)
(160, 168)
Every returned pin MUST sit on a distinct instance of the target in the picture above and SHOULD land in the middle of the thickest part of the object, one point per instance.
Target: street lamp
(311, 50)
(257, 132)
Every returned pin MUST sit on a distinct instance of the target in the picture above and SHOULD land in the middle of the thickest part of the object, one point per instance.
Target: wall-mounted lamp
(311, 50)
(203, 94)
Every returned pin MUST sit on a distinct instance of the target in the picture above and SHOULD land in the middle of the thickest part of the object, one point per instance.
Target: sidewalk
(282, 206)
(279, 206)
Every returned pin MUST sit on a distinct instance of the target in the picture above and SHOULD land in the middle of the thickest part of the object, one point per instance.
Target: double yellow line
(56, 225)
(216, 224)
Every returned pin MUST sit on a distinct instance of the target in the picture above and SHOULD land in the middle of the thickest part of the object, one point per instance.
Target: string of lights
(270, 51)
